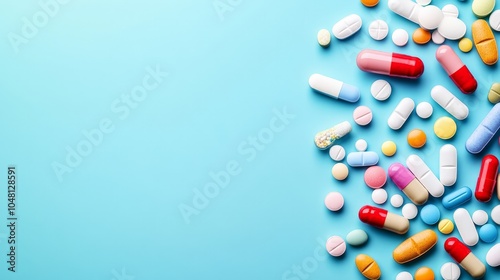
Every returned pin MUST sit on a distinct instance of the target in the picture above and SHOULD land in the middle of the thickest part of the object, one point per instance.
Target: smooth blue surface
(430, 214)
(457, 197)
(229, 132)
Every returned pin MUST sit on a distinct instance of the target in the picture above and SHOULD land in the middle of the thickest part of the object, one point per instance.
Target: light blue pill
(430, 214)
(357, 159)
(485, 131)
(488, 233)
(456, 198)
(349, 93)
(357, 237)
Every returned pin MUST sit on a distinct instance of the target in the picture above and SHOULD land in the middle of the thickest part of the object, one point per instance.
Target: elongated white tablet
(493, 256)
(334, 88)
(401, 113)
(347, 26)
(466, 227)
(424, 175)
(449, 102)
(448, 164)
(405, 8)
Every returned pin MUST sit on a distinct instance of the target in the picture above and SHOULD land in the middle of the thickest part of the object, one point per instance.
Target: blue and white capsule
(485, 131)
(334, 88)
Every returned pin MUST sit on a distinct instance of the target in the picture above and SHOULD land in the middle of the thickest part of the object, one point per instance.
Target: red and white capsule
(381, 218)
(456, 69)
(464, 257)
(487, 179)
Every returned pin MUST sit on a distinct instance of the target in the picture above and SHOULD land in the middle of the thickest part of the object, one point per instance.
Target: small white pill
(480, 217)
(324, 37)
(361, 145)
(495, 214)
(381, 90)
(437, 38)
(424, 110)
(337, 152)
(347, 26)
(409, 211)
(378, 29)
(405, 275)
(430, 17)
(495, 20)
(400, 37)
(397, 200)
(424, 2)
(379, 196)
(450, 271)
(452, 28)
(450, 10)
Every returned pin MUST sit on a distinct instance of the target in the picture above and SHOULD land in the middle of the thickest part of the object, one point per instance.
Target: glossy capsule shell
(408, 184)
(456, 69)
(391, 64)
(457, 198)
(383, 219)
(487, 179)
(464, 257)
(484, 131)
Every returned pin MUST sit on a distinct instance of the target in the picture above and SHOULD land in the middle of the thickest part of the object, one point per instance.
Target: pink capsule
(391, 64)
(406, 182)
(456, 69)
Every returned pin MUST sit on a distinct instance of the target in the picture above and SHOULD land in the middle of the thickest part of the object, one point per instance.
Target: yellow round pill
(424, 273)
(445, 128)
(465, 45)
(416, 138)
(446, 226)
(340, 171)
(389, 148)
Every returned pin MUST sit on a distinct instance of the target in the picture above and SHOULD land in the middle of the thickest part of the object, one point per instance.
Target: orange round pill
(416, 138)
(370, 3)
(421, 36)
(424, 273)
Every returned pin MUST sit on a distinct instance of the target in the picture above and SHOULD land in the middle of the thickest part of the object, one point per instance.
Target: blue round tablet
(488, 233)
(430, 214)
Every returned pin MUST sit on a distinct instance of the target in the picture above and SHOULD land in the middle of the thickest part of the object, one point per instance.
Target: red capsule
(487, 178)
(456, 69)
(391, 64)
(380, 218)
(463, 256)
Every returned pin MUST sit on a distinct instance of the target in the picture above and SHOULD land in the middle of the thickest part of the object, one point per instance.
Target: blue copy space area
(174, 139)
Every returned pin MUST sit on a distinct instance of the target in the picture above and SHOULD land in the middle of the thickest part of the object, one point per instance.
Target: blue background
(117, 215)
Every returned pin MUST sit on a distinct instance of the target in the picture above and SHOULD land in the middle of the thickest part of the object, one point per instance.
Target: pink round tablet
(335, 246)
(375, 177)
(334, 201)
(362, 115)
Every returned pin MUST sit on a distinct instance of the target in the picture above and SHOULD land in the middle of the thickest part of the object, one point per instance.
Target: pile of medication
(416, 181)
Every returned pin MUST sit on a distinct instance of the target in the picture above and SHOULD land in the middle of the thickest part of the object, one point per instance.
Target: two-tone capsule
(391, 64)
(381, 218)
(408, 184)
(334, 88)
(456, 69)
(464, 257)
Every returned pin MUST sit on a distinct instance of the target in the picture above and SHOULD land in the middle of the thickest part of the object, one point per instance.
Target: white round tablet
(337, 152)
(437, 38)
(324, 37)
(405, 275)
(397, 200)
(400, 37)
(409, 211)
(378, 29)
(361, 145)
(450, 271)
(430, 17)
(495, 214)
(452, 28)
(424, 110)
(424, 2)
(495, 20)
(381, 90)
(480, 217)
(450, 10)
(379, 196)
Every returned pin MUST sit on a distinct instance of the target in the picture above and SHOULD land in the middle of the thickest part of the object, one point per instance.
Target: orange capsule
(370, 3)
(421, 36)
(424, 273)
(416, 138)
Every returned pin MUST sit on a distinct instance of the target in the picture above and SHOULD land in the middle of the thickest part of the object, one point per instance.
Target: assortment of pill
(416, 181)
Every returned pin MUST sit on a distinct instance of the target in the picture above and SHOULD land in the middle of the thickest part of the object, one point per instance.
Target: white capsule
(424, 175)
(405, 8)
(466, 227)
(449, 102)
(448, 165)
(334, 88)
(347, 26)
(401, 113)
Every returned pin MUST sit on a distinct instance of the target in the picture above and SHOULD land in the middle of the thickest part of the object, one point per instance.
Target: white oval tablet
(379, 196)
(449, 102)
(324, 37)
(337, 152)
(424, 175)
(450, 10)
(480, 217)
(381, 90)
(400, 37)
(409, 211)
(452, 28)
(437, 38)
(361, 145)
(401, 113)
(347, 26)
(448, 165)
(378, 29)
(397, 200)
(424, 110)
(430, 17)
(450, 271)
(495, 20)
(495, 214)
(465, 227)
(493, 256)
